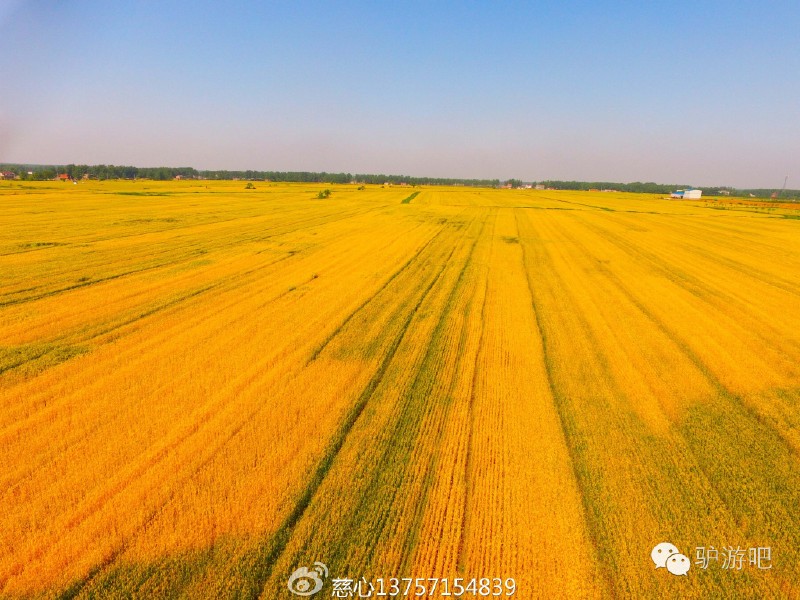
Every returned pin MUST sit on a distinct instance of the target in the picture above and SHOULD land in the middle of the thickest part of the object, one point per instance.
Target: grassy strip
(410, 198)
(35, 358)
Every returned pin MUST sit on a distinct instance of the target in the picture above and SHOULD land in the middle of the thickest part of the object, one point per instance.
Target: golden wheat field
(204, 388)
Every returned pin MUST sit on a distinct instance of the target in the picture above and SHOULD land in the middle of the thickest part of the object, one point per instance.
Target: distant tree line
(324, 177)
(48, 172)
(636, 186)
(661, 188)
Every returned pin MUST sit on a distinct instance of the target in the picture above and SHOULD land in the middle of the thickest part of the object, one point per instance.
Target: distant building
(7, 175)
(687, 194)
(539, 186)
(63, 177)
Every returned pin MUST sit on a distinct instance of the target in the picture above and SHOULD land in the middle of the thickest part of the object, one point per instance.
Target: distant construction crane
(783, 189)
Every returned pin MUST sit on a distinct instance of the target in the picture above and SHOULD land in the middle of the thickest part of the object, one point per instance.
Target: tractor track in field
(411, 541)
(567, 425)
(227, 283)
(659, 265)
(259, 563)
(138, 351)
(330, 337)
(468, 460)
(165, 264)
(269, 554)
(698, 362)
(685, 281)
(406, 432)
(222, 283)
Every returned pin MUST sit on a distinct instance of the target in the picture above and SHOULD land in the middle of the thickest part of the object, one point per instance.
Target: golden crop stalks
(204, 387)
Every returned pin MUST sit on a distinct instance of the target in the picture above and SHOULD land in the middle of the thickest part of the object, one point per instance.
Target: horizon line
(393, 175)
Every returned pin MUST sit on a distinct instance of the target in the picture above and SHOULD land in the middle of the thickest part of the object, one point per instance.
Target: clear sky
(693, 92)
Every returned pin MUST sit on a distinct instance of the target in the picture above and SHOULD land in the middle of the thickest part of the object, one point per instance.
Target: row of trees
(660, 188)
(324, 177)
(636, 186)
(46, 172)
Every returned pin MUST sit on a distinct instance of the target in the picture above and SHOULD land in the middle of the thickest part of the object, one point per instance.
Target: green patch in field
(183, 267)
(142, 193)
(40, 244)
(31, 359)
(144, 221)
(409, 199)
(197, 263)
(508, 239)
(754, 469)
(166, 577)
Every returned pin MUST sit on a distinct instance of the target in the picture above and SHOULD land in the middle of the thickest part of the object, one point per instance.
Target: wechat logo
(666, 555)
(307, 582)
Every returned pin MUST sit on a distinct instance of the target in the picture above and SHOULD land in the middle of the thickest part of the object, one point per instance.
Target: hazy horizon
(695, 93)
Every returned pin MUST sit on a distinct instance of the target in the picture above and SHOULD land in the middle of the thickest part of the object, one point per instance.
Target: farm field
(203, 388)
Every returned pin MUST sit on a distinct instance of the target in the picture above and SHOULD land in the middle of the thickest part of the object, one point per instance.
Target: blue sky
(702, 93)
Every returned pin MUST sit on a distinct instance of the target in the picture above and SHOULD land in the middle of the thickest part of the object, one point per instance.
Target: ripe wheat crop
(204, 387)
